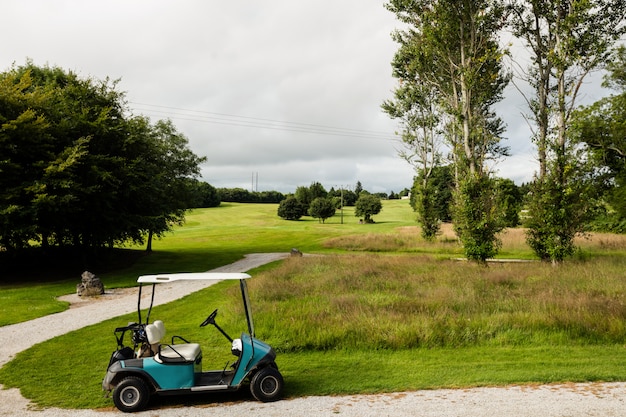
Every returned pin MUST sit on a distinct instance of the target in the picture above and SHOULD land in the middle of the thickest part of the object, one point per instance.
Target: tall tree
(24, 148)
(415, 106)
(78, 171)
(567, 39)
(601, 128)
(451, 47)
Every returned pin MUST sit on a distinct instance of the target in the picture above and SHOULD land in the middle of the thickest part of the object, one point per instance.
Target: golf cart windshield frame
(200, 276)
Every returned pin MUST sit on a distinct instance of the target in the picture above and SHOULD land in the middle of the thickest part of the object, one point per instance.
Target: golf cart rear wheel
(131, 394)
(267, 384)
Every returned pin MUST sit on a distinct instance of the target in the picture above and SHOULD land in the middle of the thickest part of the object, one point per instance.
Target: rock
(90, 285)
(295, 252)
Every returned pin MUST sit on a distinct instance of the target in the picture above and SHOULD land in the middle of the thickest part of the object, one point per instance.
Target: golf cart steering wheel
(210, 319)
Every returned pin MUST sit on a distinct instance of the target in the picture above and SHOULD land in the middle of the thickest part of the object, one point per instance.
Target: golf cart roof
(192, 276)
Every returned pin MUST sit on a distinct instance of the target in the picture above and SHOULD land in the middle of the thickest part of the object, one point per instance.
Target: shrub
(290, 209)
(321, 208)
(366, 206)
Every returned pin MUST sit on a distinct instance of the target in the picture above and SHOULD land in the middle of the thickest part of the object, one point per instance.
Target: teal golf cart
(150, 366)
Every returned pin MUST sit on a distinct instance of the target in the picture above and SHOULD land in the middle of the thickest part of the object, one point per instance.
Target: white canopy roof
(193, 276)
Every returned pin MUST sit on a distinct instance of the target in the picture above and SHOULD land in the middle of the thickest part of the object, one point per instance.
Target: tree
(316, 190)
(322, 208)
(79, 172)
(304, 197)
(479, 220)
(567, 40)
(510, 200)
(290, 209)
(205, 195)
(557, 215)
(22, 122)
(437, 195)
(601, 128)
(451, 49)
(69, 191)
(358, 188)
(367, 206)
(415, 106)
(169, 192)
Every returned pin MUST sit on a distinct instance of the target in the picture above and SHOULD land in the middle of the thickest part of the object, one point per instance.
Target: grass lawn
(383, 311)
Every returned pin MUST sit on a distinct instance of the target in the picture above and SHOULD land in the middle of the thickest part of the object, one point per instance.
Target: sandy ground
(565, 400)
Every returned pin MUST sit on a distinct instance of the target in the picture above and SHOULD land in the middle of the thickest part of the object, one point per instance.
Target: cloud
(227, 72)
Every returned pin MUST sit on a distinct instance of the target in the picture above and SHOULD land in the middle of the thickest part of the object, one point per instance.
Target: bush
(290, 209)
(321, 209)
(477, 217)
(366, 206)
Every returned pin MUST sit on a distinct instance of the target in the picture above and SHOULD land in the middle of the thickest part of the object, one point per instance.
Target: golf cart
(152, 366)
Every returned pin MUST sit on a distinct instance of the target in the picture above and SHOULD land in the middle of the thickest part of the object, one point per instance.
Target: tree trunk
(149, 245)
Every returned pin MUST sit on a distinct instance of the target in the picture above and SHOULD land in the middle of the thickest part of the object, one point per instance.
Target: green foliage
(425, 205)
(450, 50)
(561, 205)
(348, 197)
(317, 191)
(367, 206)
(305, 195)
(205, 195)
(431, 199)
(322, 208)
(510, 200)
(290, 209)
(77, 171)
(555, 216)
(240, 195)
(478, 218)
(585, 32)
(601, 128)
(442, 181)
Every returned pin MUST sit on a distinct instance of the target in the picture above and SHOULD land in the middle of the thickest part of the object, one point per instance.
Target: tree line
(451, 75)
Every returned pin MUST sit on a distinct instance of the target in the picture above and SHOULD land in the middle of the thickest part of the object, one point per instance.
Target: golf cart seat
(154, 333)
(179, 353)
(174, 353)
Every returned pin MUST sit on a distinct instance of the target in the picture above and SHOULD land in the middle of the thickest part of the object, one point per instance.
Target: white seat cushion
(183, 352)
(153, 334)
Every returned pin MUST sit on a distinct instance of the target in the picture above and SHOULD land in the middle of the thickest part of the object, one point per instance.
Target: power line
(259, 123)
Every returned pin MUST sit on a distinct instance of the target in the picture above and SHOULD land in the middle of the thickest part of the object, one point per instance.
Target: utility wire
(255, 122)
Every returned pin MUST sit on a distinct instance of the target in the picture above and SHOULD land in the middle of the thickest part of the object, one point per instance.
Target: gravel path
(565, 400)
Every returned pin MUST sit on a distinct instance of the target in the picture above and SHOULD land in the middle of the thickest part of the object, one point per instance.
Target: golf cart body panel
(253, 354)
(166, 369)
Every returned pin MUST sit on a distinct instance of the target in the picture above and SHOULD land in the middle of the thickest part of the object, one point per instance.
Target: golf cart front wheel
(131, 394)
(267, 384)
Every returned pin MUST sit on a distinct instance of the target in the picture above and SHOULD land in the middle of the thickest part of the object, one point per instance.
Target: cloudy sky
(275, 93)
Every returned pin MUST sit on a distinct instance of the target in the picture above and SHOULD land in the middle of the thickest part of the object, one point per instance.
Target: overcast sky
(275, 93)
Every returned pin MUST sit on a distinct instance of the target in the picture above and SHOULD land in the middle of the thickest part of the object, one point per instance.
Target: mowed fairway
(379, 310)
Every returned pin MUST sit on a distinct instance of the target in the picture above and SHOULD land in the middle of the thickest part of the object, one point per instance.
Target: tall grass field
(369, 308)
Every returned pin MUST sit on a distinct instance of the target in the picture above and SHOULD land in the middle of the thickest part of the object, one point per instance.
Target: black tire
(267, 385)
(131, 394)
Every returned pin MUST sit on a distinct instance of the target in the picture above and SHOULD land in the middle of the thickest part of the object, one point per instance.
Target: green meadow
(378, 310)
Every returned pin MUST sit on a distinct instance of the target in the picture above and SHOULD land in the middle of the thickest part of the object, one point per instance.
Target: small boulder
(90, 285)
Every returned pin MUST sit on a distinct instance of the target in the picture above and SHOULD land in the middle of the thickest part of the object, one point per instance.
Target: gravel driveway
(565, 400)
